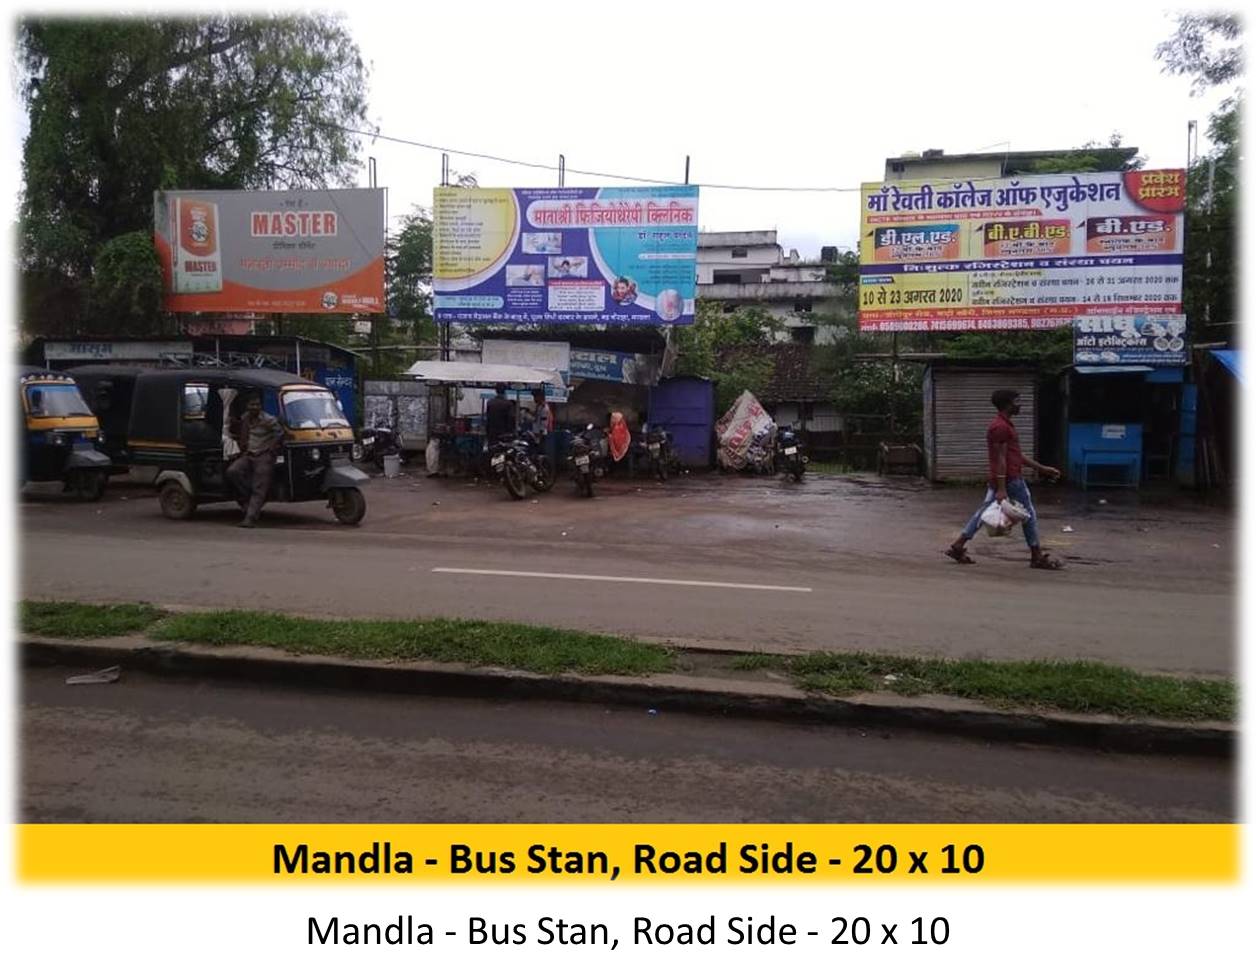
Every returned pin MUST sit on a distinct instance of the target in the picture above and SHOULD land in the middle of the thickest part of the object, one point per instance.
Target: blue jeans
(1017, 490)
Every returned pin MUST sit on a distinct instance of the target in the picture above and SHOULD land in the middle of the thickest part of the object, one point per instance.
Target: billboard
(1020, 253)
(618, 255)
(319, 251)
(1141, 339)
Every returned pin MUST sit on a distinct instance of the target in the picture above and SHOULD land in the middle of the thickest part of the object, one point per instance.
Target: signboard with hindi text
(617, 255)
(1020, 253)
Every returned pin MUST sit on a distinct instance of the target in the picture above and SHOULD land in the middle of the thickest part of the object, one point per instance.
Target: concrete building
(936, 164)
(750, 268)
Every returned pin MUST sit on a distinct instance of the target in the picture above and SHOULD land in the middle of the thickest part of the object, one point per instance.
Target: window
(730, 307)
(726, 279)
(802, 306)
(195, 398)
(804, 335)
(740, 252)
(806, 411)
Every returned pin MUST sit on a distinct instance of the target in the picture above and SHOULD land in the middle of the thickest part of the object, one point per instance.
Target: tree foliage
(1206, 47)
(127, 287)
(1090, 157)
(119, 108)
(409, 264)
(718, 344)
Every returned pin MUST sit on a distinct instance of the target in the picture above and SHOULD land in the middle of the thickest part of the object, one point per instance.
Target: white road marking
(623, 578)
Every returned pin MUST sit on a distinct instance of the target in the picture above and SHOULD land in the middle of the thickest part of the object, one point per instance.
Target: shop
(958, 410)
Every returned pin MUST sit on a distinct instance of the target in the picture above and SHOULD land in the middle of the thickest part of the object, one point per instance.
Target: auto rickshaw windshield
(312, 410)
(53, 400)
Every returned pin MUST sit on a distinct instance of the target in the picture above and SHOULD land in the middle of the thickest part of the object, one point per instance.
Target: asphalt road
(848, 563)
(177, 750)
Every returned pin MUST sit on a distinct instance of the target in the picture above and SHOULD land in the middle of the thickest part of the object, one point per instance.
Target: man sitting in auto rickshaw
(261, 438)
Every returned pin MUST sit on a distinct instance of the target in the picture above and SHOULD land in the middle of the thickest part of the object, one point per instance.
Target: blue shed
(685, 407)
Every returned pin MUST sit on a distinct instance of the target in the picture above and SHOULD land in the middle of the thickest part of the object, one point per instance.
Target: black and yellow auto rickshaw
(109, 390)
(183, 422)
(60, 435)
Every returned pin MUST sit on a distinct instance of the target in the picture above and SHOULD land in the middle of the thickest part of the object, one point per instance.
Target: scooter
(587, 459)
(789, 453)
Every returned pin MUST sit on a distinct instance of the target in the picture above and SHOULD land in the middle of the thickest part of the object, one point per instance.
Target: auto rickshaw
(109, 390)
(184, 422)
(60, 435)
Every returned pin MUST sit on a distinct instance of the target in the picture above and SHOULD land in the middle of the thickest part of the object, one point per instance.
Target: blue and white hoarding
(611, 255)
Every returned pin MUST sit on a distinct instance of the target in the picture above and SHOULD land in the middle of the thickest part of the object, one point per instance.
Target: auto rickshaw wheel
(88, 484)
(176, 503)
(348, 505)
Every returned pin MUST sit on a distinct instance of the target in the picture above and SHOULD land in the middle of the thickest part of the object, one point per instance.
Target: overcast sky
(799, 94)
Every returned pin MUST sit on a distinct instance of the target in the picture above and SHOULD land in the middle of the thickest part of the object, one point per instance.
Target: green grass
(536, 648)
(78, 620)
(1077, 686)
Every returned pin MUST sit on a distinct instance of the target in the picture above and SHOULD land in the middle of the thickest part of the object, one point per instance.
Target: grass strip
(81, 620)
(1077, 686)
(540, 649)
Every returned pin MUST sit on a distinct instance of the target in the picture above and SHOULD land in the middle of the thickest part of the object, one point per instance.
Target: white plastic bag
(1001, 516)
(432, 456)
(996, 522)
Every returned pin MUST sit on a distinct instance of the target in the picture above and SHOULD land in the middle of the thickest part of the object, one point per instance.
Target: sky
(805, 95)
(808, 94)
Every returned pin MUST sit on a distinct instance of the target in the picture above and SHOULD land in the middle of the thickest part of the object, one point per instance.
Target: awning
(471, 375)
(1230, 361)
(1112, 368)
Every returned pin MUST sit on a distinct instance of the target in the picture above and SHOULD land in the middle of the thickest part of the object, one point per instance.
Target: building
(936, 164)
(750, 268)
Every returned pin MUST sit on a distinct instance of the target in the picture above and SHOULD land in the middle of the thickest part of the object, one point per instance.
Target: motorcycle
(587, 459)
(789, 454)
(545, 475)
(660, 456)
(513, 460)
(375, 443)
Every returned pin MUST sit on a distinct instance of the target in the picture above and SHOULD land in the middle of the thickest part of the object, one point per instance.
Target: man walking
(1007, 464)
(260, 438)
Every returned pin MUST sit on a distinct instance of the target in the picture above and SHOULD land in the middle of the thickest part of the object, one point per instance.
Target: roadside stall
(465, 388)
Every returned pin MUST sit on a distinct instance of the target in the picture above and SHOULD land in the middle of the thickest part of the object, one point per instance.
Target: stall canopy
(472, 375)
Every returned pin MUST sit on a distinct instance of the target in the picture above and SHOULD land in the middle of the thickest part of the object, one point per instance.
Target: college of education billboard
(1019, 253)
(318, 251)
(621, 255)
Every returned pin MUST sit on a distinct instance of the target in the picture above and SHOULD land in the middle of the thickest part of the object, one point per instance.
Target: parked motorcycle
(660, 455)
(545, 474)
(375, 443)
(789, 453)
(511, 460)
(587, 459)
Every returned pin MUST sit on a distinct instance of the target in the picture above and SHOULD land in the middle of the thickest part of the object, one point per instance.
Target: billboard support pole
(686, 168)
(444, 170)
(562, 170)
(370, 170)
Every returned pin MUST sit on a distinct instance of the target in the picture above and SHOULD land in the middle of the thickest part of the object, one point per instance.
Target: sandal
(1046, 561)
(959, 555)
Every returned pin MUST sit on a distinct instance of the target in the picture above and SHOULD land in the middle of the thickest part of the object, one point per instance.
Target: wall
(923, 169)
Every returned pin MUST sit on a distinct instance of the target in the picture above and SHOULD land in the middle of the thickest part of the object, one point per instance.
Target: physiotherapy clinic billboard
(1020, 253)
(615, 255)
(319, 251)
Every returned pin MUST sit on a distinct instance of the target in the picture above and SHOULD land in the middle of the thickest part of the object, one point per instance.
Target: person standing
(499, 417)
(1006, 480)
(261, 439)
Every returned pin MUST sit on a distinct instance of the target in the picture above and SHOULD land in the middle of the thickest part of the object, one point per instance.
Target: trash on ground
(891, 678)
(106, 676)
(652, 711)
(1102, 501)
(1067, 529)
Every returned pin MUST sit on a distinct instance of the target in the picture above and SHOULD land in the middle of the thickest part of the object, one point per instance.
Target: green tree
(119, 108)
(727, 348)
(1090, 157)
(1208, 49)
(127, 287)
(409, 265)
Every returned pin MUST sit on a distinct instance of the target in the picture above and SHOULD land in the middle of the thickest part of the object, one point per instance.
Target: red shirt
(1003, 433)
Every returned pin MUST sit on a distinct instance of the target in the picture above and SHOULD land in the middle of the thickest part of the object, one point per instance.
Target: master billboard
(1019, 253)
(621, 255)
(318, 251)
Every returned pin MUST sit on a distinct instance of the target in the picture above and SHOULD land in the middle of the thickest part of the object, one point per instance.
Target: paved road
(1147, 586)
(158, 750)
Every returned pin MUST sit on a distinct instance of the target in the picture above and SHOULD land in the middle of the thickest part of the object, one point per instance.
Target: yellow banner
(649, 853)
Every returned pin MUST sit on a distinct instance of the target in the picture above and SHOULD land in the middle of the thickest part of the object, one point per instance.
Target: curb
(669, 692)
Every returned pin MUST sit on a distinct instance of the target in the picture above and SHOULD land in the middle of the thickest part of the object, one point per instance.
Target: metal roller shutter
(961, 413)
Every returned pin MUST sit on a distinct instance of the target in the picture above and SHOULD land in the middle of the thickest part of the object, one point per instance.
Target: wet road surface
(850, 562)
